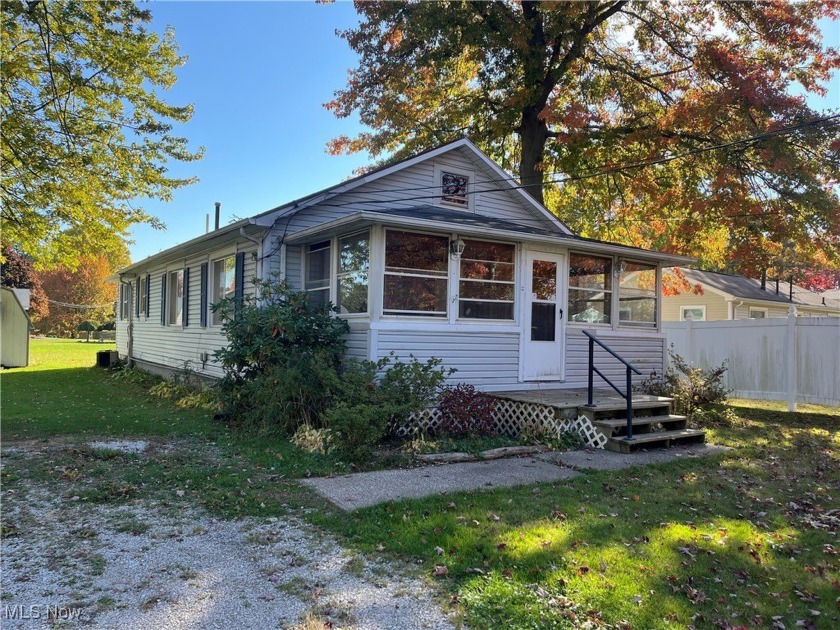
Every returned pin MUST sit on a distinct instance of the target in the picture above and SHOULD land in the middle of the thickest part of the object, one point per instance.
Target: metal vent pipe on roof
(218, 212)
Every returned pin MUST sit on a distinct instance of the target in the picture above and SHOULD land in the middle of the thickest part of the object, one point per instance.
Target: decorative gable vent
(454, 188)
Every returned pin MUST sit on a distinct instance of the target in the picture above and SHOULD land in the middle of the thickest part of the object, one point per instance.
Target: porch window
(224, 283)
(317, 281)
(486, 287)
(590, 289)
(637, 295)
(353, 267)
(176, 297)
(416, 274)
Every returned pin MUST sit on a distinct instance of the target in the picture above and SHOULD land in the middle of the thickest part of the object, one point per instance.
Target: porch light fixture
(619, 269)
(457, 247)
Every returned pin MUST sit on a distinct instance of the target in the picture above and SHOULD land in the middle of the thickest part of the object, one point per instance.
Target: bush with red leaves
(466, 411)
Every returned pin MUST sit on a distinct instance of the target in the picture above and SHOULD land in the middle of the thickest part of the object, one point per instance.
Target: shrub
(466, 411)
(698, 393)
(364, 407)
(281, 360)
(313, 440)
(558, 441)
(283, 370)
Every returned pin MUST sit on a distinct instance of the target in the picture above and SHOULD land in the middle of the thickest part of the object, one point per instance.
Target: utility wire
(80, 306)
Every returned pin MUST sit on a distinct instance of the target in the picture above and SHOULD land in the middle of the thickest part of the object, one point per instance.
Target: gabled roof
(750, 289)
(504, 181)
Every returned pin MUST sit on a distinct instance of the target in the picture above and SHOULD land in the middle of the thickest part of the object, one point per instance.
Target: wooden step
(642, 425)
(620, 423)
(637, 404)
(659, 438)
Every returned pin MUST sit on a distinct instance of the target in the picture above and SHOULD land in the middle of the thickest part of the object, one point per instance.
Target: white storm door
(544, 330)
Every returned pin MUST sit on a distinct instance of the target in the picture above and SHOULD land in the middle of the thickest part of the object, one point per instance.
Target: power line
(80, 306)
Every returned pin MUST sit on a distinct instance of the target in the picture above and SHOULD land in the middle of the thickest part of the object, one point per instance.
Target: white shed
(14, 330)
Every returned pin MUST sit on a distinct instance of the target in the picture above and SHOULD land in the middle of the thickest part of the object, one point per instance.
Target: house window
(353, 267)
(454, 188)
(758, 313)
(317, 281)
(224, 283)
(637, 295)
(698, 313)
(416, 274)
(486, 286)
(176, 297)
(141, 297)
(590, 289)
(125, 300)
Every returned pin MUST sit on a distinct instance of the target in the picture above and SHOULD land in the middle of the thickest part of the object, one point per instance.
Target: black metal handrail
(628, 396)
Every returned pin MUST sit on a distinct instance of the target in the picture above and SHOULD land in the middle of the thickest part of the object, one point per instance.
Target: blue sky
(258, 74)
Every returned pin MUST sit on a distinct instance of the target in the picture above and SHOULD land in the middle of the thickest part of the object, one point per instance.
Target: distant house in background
(14, 327)
(728, 296)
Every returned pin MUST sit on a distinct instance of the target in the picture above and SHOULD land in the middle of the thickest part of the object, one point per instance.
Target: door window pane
(543, 321)
(544, 280)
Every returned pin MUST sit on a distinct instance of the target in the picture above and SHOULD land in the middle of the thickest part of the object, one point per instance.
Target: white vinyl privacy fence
(796, 359)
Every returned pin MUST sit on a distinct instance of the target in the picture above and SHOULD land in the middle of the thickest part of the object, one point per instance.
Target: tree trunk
(533, 133)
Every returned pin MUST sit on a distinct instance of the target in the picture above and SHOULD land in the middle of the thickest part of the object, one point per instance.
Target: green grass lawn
(741, 539)
(738, 540)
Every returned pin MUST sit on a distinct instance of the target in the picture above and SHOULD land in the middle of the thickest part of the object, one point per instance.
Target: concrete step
(645, 424)
(656, 439)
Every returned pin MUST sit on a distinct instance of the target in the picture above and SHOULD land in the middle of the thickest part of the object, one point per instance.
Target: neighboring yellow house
(727, 296)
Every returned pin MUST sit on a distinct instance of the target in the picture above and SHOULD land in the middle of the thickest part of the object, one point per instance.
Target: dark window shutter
(203, 294)
(137, 300)
(239, 275)
(163, 299)
(148, 292)
(120, 301)
(185, 317)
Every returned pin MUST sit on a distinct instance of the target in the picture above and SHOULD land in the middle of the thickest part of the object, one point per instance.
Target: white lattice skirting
(512, 418)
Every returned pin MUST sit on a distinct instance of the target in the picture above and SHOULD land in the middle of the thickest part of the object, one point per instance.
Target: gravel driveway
(149, 565)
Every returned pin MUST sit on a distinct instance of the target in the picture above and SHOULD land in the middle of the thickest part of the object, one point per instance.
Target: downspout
(735, 307)
(130, 329)
(259, 244)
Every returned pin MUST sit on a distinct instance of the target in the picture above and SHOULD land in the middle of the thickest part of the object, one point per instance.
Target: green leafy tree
(85, 129)
(557, 90)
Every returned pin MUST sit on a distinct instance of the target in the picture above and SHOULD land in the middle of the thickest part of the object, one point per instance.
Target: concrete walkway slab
(593, 459)
(358, 490)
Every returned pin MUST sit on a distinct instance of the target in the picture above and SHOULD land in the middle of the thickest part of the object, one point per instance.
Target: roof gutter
(363, 217)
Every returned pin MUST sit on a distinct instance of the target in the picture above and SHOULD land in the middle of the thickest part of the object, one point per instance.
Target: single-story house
(14, 327)
(440, 255)
(727, 296)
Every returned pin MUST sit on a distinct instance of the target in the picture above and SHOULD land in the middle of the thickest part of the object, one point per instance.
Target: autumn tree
(627, 118)
(16, 271)
(78, 295)
(85, 129)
